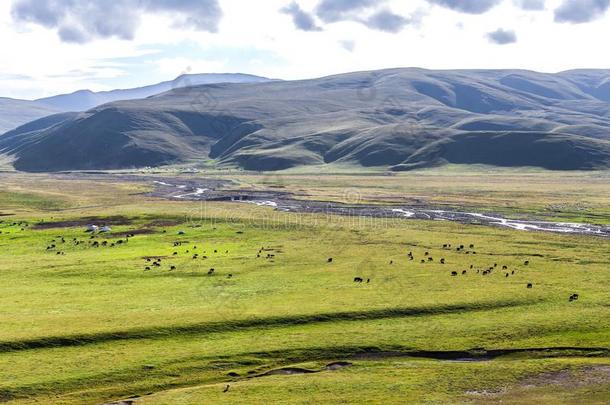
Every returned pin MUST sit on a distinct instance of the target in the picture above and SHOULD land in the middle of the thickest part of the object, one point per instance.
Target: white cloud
(502, 36)
(83, 21)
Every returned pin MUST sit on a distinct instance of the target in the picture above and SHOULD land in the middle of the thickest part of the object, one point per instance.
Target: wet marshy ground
(219, 190)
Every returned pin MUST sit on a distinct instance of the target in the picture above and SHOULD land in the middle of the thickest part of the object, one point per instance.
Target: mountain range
(400, 119)
(14, 113)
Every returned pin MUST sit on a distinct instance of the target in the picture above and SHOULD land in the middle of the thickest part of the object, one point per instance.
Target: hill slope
(14, 113)
(398, 118)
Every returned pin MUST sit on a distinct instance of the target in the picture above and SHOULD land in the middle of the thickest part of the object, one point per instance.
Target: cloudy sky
(58, 46)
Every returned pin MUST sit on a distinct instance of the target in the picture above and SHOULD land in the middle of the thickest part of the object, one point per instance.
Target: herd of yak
(157, 261)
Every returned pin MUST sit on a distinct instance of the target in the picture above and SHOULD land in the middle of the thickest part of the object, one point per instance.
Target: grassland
(92, 325)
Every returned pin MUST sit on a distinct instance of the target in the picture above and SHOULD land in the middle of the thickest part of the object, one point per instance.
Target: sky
(58, 46)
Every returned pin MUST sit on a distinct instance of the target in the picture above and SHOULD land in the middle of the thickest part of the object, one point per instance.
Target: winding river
(206, 191)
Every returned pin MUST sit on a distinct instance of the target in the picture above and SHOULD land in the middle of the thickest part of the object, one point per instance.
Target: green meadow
(277, 321)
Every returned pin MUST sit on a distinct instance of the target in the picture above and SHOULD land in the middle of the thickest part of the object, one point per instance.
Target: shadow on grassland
(252, 323)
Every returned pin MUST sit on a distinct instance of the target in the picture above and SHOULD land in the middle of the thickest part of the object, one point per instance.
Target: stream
(282, 201)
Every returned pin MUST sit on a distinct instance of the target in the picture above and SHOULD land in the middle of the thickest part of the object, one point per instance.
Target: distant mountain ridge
(400, 119)
(14, 112)
(83, 100)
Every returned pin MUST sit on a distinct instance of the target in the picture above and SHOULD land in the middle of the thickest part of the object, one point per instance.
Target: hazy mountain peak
(83, 100)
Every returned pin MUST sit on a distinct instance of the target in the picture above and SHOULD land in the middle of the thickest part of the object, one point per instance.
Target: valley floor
(92, 319)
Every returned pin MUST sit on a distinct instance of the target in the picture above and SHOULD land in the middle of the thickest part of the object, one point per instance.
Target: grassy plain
(93, 326)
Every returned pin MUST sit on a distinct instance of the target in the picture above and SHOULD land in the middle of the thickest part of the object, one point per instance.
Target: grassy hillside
(15, 113)
(398, 118)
